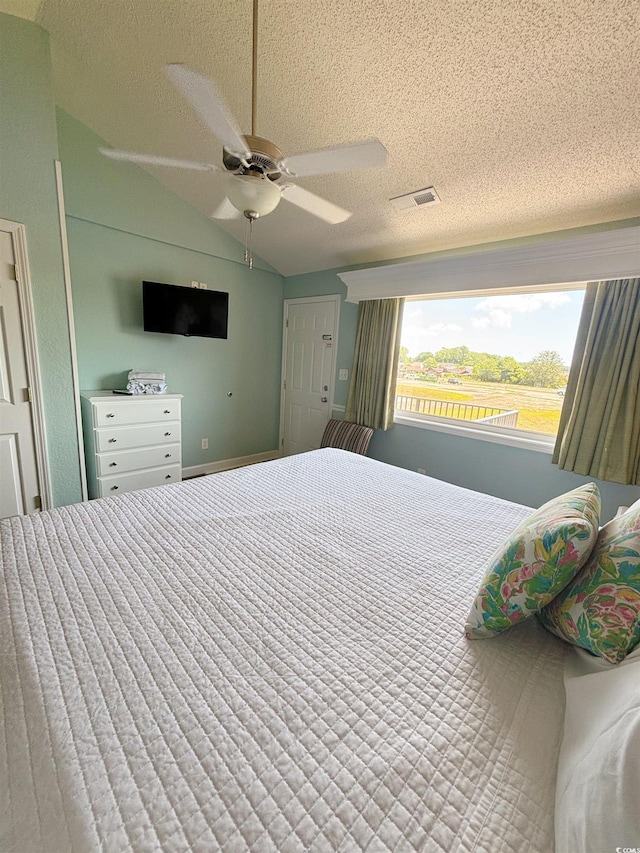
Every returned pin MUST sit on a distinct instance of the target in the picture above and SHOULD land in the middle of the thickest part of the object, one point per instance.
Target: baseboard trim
(228, 464)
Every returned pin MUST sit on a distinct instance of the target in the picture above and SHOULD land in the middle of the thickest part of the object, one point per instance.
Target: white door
(308, 371)
(19, 484)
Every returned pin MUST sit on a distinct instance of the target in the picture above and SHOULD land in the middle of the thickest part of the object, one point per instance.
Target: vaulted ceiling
(523, 114)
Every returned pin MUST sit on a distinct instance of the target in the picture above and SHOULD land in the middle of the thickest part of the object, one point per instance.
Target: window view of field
(516, 380)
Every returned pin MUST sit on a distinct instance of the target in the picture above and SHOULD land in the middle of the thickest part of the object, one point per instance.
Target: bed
(271, 659)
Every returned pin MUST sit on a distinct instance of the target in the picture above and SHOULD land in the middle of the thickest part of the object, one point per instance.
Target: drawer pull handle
(112, 440)
(114, 488)
(167, 433)
(113, 464)
(110, 415)
(167, 455)
(167, 411)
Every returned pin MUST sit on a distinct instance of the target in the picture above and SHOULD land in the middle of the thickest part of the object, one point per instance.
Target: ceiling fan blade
(341, 158)
(152, 160)
(225, 210)
(315, 205)
(207, 102)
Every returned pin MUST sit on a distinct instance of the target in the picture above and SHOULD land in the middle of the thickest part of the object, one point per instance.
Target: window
(495, 365)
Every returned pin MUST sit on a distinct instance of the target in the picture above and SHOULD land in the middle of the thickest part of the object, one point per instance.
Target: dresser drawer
(108, 464)
(138, 480)
(136, 436)
(108, 413)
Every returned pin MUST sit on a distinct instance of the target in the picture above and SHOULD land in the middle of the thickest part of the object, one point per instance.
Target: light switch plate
(343, 373)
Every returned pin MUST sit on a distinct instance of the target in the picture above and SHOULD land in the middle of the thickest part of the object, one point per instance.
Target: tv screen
(175, 310)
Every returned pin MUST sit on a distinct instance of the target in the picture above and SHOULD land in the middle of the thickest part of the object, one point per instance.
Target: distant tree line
(546, 370)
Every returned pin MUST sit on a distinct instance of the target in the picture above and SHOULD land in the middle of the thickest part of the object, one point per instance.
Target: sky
(520, 325)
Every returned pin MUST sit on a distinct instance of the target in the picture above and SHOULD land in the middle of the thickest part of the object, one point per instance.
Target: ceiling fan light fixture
(254, 165)
(254, 193)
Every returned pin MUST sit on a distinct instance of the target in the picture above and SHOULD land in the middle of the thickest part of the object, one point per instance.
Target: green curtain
(372, 391)
(599, 433)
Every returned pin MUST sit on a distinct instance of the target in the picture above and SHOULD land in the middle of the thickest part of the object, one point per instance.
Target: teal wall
(123, 226)
(523, 476)
(28, 149)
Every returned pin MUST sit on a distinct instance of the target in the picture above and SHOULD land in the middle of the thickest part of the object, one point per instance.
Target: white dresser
(130, 442)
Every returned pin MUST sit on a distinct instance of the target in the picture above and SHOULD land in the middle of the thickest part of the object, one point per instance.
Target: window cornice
(587, 257)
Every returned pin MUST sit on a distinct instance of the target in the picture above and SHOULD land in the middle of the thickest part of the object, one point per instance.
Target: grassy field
(539, 408)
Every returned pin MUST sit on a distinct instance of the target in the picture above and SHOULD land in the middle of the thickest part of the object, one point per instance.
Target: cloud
(523, 303)
(496, 317)
(499, 310)
(481, 322)
(443, 327)
(418, 338)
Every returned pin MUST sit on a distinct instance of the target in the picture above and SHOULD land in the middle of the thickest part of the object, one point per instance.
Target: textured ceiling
(523, 114)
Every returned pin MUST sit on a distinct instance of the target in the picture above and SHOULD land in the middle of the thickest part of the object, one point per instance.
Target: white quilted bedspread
(271, 659)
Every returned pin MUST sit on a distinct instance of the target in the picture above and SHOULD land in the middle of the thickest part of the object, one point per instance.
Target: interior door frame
(23, 278)
(331, 297)
(66, 271)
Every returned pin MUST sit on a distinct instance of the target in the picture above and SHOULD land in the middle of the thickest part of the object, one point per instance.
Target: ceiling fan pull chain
(248, 235)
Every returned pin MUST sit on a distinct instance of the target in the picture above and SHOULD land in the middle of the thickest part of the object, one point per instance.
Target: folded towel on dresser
(146, 382)
(135, 386)
(146, 376)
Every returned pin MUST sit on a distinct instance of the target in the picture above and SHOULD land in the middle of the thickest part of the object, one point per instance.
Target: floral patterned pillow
(536, 562)
(600, 609)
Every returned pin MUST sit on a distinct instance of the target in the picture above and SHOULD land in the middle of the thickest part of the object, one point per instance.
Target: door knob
(324, 399)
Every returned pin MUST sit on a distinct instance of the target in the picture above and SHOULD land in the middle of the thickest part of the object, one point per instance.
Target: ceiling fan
(255, 171)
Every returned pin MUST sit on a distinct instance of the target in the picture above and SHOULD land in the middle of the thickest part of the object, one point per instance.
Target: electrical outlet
(343, 374)
(203, 285)
(205, 443)
(421, 471)
(195, 284)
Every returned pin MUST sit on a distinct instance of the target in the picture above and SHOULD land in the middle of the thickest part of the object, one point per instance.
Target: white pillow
(597, 805)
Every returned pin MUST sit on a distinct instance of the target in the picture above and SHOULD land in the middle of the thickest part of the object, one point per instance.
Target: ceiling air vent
(414, 200)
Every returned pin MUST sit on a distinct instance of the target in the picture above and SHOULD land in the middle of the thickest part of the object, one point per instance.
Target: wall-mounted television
(175, 310)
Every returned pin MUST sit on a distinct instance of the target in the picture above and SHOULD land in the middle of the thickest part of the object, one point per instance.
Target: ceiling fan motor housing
(264, 158)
